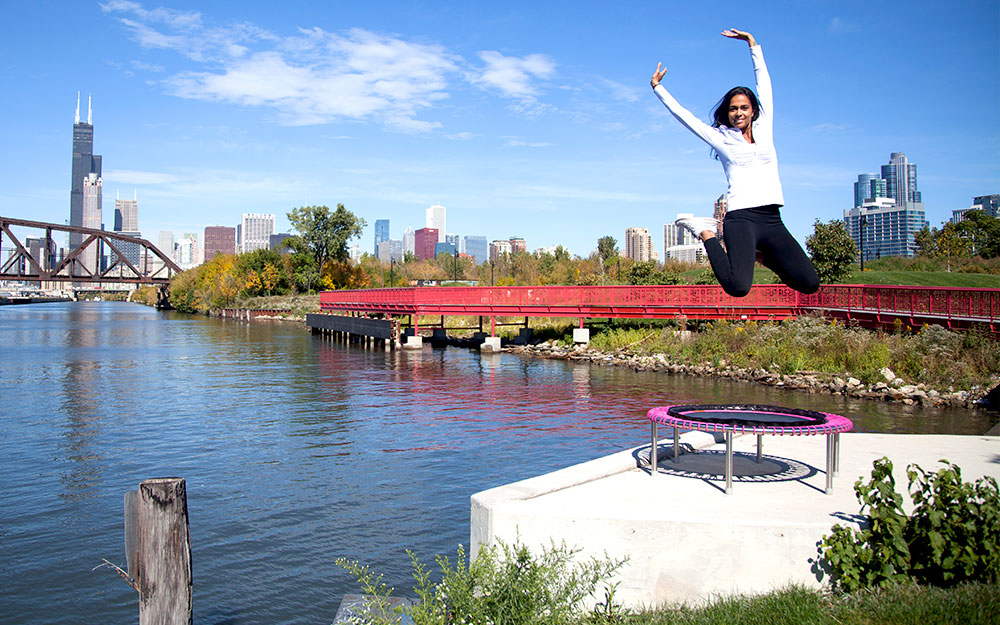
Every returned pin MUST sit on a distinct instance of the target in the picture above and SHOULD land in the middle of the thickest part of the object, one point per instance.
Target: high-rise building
(455, 240)
(887, 210)
(92, 219)
(127, 222)
(499, 248)
(255, 231)
(85, 163)
(638, 244)
(381, 233)
(165, 243)
(882, 228)
(444, 248)
(990, 204)
(719, 211)
(390, 250)
(517, 244)
(409, 241)
(219, 240)
(126, 214)
(436, 219)
(901, 180)
(868, 187)
(277, 242)
(476, 247)
(424, 241)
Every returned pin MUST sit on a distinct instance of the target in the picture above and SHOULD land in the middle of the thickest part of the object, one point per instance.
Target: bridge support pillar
(490, 345)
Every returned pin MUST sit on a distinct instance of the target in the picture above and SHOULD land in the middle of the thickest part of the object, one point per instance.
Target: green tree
(925, 240)
(607, 247)
(833, 251)
(951, 243)
(326, 232)
(647, 273)
(983, 233)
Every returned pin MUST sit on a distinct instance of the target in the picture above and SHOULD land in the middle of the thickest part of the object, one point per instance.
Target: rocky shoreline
(891, 388)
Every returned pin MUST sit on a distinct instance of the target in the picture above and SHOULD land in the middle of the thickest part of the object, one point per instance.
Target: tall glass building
(476, 247)
(881, 228)
(901, 180)
(381, 233)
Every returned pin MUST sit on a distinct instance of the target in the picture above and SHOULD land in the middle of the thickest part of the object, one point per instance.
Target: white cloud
(842, 26)
(314, 77)
(527, 144)
(622, 92)
(513, 76)
(461, 136)
(147, 67)
(129, 176)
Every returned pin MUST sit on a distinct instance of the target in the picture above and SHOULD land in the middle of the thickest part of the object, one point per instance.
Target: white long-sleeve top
(751, 168)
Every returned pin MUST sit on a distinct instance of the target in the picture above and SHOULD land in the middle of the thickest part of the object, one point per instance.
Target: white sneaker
(697, 225)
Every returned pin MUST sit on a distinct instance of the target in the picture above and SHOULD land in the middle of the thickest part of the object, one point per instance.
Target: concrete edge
(575, 475)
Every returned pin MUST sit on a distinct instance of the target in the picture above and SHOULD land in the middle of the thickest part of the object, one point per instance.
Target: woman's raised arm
(742, 35)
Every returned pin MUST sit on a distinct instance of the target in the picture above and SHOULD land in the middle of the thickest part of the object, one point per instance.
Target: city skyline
(516, 129)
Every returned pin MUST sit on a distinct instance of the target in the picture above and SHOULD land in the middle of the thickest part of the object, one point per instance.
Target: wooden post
(163, 558)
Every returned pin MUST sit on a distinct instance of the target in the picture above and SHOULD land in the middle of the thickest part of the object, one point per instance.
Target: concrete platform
(686, 540)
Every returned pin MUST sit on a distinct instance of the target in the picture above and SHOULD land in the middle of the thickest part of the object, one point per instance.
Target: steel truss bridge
(867, 305)
(153, 267)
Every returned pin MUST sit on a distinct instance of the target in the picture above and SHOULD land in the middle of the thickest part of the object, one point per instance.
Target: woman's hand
(732, 33)
(657, 75)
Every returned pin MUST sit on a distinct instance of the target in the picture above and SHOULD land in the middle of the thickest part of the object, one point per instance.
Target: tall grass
(907, 604)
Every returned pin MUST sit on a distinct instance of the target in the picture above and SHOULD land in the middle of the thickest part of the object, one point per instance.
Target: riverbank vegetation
(934, 356)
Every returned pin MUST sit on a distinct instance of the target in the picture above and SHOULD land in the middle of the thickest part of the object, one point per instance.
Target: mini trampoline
(751, 419)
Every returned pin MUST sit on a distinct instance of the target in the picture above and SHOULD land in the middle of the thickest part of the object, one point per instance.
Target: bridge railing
(969, 304)
(873, 305)
(566, 300)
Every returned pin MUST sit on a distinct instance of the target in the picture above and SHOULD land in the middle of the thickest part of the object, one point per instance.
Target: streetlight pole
(392, 261)
(456, 265)
(861, 238)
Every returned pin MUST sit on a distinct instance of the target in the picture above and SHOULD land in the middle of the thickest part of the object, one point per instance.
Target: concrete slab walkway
(686, 540)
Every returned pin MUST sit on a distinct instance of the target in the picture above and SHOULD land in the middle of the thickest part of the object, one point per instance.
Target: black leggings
(749, 230)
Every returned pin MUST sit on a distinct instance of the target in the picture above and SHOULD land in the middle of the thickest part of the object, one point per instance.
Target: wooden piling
(163, 558)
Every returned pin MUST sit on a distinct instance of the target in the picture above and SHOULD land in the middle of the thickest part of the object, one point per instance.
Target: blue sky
(530, 119)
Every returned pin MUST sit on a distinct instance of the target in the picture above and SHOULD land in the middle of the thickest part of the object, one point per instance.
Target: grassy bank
(970, 604)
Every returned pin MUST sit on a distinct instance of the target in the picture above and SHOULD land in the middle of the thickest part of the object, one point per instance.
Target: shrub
(953, 535)
(504, 585)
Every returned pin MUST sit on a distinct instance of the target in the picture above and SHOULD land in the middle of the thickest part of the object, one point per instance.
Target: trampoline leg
(836, 454)
(760, 441)
(729, 463)
(676, 434)
(829, 463)
(652, 452)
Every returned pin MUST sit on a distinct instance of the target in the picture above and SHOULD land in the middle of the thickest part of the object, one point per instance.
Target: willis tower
(85, 163)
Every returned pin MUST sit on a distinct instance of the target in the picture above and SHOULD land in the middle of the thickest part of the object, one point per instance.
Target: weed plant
(504, 585)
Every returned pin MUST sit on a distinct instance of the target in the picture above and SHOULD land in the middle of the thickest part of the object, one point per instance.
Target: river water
(296, 451)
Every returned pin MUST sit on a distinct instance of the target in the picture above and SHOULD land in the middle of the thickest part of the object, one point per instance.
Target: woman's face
(740, 112)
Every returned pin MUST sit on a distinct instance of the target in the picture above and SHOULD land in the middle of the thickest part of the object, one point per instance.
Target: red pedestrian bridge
(867, 305)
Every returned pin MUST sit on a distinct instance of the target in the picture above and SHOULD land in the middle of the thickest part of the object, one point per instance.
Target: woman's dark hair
(721, 115)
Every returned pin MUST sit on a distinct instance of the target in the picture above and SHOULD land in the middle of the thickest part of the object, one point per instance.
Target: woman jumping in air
(741, 138)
